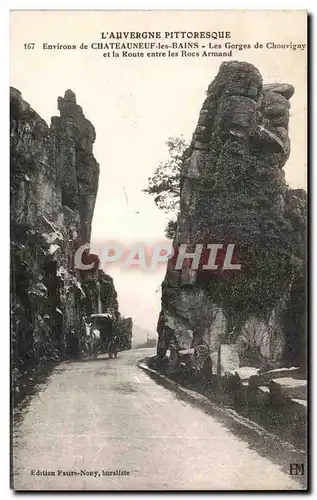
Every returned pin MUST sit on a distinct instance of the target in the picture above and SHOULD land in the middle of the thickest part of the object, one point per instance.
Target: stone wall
(233, 191)
(54, 183)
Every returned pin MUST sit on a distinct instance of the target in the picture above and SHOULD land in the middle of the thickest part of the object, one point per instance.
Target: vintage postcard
(158, 250)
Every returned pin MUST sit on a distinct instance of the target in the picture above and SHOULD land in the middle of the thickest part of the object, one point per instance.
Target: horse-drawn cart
(108, 341)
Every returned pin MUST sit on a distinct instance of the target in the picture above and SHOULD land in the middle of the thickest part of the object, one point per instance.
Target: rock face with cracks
(125, 328)
(233, 191)
(54, 183)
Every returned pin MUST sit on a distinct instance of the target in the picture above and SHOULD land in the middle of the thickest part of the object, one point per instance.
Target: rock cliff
(233, 191)
(54, 183)
(125, 329)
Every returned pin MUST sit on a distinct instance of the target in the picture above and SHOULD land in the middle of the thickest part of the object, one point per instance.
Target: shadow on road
(36, 378)
(33, 380)
(90, 360)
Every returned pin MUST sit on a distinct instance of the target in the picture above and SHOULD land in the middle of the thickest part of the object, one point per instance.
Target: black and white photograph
(158, 250)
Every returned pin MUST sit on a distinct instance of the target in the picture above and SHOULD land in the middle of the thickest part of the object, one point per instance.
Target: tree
(164, 185)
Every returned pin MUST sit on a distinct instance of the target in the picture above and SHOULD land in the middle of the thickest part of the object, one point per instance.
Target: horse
(91, 341)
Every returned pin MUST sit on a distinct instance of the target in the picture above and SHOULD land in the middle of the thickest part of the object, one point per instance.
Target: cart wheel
(116, 354)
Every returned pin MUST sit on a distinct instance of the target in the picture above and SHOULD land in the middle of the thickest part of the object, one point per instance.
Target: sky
(136, 104)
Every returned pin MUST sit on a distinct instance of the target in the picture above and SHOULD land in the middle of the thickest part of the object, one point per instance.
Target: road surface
(106, 425)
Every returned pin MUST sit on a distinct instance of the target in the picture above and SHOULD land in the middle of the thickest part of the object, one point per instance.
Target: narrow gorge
(54, 184)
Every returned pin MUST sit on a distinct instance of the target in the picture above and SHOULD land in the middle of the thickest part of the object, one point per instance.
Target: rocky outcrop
(125, 332)
(233, 191)
(54, 182)
(77, 169)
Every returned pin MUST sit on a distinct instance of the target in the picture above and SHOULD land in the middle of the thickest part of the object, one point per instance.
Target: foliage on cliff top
(164, 184)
